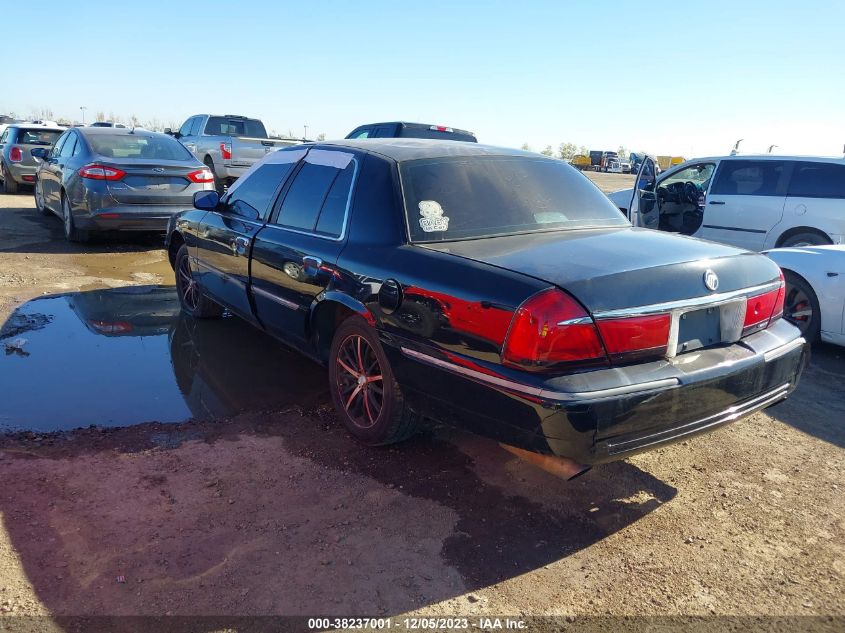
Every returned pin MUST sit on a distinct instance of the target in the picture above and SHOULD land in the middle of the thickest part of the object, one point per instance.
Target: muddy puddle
(128, 355)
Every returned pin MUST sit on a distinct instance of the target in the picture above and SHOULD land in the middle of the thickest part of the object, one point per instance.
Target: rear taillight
(636, 338)
(201, 175)
(552, 328)
(440, 128)
(101, 172)
(16, 154)
(764, 309)
(226, 150)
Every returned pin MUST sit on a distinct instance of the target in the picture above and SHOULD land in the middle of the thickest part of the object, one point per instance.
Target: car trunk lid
(620, 268)
(146, 182)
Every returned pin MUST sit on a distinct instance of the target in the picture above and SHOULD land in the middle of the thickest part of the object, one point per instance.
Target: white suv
(754, 202)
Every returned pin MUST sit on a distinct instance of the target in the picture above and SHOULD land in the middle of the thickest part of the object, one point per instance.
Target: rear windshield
(464, 198)
(38, 137)
(424, 132)
(137, 146)
(227, 126)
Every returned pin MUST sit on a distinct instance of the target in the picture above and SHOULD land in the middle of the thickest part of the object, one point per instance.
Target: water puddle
(128, 355)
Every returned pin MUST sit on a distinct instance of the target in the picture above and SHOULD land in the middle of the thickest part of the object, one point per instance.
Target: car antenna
(735, 150)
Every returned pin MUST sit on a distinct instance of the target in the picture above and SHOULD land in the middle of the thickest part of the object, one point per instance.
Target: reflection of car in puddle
(224, 366)
(127, 355)
(128, 311)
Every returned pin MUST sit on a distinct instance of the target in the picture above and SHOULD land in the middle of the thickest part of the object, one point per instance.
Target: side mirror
(40, 153)
(167, 130)
(206, 200)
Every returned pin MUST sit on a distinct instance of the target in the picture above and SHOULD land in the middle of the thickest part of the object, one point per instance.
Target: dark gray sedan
(113, 179)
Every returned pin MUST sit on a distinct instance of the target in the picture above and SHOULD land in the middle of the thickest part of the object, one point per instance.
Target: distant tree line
(568, 151)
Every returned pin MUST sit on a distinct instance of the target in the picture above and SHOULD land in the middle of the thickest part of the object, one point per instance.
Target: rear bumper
(608, 414)
(233, 172)
(22, 174)
(128, 218)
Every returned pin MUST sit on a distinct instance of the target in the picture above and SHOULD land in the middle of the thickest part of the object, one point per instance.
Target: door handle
(239, 246)
(716, 202)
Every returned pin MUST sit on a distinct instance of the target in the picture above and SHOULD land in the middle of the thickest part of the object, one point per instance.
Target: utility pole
(305, 134)
(83, 109)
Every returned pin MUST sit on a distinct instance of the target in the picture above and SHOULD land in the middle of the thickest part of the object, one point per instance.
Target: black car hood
(609, 269)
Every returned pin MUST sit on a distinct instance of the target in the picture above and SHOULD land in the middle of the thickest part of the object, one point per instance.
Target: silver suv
(17, 165)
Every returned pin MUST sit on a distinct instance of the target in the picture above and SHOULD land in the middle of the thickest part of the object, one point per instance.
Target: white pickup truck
(228, 144)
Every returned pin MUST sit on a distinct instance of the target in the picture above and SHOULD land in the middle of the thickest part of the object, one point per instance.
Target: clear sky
(682, 78)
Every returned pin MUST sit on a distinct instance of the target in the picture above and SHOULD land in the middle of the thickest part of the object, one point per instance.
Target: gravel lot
(277, 511)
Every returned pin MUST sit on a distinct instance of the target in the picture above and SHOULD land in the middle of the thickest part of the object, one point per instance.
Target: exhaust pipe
(562, 467)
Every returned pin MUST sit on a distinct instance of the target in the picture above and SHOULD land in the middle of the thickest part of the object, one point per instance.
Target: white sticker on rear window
(432, 216)
(338, 160)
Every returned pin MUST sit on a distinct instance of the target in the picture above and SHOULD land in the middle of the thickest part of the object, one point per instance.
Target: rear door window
(817, 180)
(58, 146)
(69, 145)
(365, 133)
(750, 178)
(256, 192)
(318, 198)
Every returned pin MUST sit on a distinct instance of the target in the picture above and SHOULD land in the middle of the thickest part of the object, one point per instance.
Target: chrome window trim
(330, 238)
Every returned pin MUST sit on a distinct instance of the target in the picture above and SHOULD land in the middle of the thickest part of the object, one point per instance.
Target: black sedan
(116, 179)
(489, 288)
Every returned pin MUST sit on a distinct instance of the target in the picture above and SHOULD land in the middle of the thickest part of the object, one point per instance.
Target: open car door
(643, 208)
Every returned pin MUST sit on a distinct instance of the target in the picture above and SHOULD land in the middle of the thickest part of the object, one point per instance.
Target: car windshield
(464, 198)
(229, 126)
(39, 137)
(138, 146)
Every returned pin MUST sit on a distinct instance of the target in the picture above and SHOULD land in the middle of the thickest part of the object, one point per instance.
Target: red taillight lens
(16, 154)
(201, 175)
(764, 309)
(226, 150)
(101, 172)
(634, 338)
(551, 328)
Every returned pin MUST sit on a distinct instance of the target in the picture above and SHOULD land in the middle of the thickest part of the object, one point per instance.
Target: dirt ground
(278, 511)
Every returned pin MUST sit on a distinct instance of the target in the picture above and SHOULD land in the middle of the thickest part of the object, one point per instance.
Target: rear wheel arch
(786, 236)
(328, 315)
(792, 278)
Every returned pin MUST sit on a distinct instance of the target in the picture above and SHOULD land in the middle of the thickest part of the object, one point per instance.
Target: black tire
(39, 200)
(799, 300)
(9, 184)
(355, 378)
(72, 234)
(806, 239)
(219, 186)
(191, 296)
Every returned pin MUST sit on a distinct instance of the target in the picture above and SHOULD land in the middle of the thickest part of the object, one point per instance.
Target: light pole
(305, 134)
(83, 109)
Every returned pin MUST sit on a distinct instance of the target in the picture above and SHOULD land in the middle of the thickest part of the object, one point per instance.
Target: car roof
(37, 126)
(117, 131)
(402, 149)
(768, 157)
(411, 124)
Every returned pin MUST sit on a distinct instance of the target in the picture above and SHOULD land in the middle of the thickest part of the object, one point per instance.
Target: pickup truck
(228, 144)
